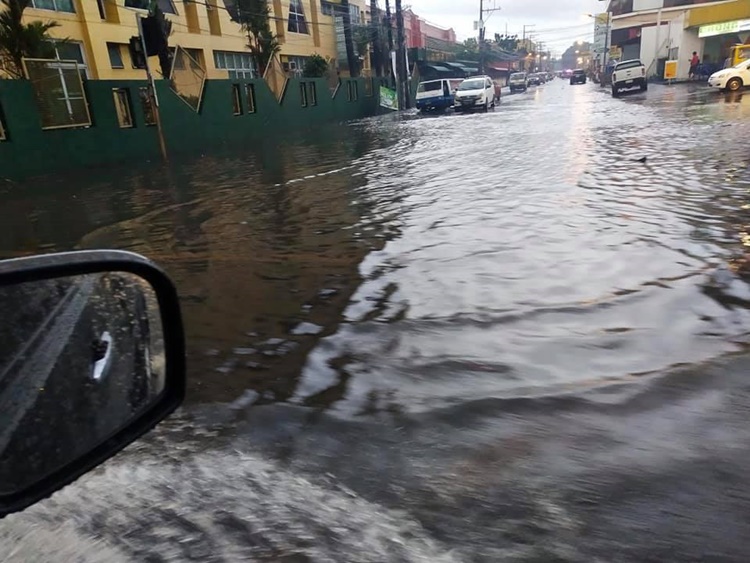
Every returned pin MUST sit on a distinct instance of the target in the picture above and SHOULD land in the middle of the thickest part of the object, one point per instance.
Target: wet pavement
(516, 336)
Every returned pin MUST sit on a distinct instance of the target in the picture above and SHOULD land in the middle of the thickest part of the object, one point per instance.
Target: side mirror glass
(91, 357)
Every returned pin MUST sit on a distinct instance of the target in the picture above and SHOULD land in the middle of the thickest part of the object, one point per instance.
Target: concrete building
(659, 30)
(99, 32)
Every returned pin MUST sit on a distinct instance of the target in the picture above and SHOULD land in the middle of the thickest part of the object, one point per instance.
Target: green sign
(723, 28)
(388, 98)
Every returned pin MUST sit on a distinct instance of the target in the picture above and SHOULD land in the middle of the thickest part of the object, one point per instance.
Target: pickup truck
(628, 74)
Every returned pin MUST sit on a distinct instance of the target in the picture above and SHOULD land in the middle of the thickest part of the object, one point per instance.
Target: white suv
(475, 92)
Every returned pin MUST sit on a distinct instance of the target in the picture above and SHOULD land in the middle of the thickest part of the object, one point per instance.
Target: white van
(475, 92)
(437, 95)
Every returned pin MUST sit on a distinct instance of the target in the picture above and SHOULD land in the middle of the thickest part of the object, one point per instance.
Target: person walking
(694, 62)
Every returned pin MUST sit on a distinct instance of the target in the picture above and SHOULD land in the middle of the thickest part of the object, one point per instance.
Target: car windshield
(435, 85)
(439, 306)
(476, 84)
(628, 64)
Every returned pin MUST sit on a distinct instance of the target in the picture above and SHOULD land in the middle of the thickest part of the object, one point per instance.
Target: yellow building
(99, 32)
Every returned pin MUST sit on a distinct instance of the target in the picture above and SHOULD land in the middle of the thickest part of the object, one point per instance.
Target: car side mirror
(92, 356)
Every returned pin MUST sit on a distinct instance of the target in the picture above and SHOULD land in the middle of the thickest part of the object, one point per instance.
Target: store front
(720, 38)
(628, 40)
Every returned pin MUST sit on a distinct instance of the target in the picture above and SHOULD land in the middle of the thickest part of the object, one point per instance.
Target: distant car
(578, 77)
(475, 92)
(518, 82)
(534, 79)
(628, 74)
(732, 78)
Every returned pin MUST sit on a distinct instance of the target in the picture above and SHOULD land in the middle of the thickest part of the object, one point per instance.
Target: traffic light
(136, 52)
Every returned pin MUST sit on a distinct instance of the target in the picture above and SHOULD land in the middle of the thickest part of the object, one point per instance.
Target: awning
(471, 69)
(438, 68)
(501, 67)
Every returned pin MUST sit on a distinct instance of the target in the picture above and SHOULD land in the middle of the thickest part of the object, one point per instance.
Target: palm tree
(20, 40)
(263, 44)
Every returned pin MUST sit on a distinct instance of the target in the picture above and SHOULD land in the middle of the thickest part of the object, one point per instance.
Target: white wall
(639, 5)
(673, 36)
(648, 45)
(690, 42)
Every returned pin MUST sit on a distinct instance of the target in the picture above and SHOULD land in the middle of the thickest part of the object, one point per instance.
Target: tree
(253, 16)
(20, 40)
(507, 43)
(315, 66)
(362, 37)
(468, 50)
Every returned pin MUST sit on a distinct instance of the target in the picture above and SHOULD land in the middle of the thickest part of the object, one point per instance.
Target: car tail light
(643, 71)
(614, 77)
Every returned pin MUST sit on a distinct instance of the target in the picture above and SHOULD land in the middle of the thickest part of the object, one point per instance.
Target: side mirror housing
(92, 356)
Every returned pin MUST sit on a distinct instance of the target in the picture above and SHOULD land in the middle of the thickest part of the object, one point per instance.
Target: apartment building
(99, 31)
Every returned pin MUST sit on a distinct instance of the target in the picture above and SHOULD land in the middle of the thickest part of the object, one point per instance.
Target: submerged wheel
(734, 84)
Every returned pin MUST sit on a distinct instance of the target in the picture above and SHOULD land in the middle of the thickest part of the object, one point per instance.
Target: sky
(556, 22)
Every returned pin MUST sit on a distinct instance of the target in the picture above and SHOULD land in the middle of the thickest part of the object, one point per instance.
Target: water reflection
(257, 244)
(573, 245)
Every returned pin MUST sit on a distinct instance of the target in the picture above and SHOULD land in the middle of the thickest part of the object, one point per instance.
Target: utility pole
(604, 55)
(481, 36)
(524, 43)
(389, 27)
(482, 33)
(377, 44)
(404, 96)
(351, 58)
(152, 95)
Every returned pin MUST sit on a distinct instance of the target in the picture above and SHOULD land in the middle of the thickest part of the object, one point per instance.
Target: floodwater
(512, 336)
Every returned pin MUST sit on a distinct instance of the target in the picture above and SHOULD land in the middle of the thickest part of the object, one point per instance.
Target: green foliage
(468, 50)
(362, 37)
(315, 66)
(253, 16)
(19, 40)
(507, 43)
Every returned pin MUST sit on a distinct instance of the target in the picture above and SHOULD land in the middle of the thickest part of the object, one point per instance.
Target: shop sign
(670, 70)
(388, 98)
(601, 31)
(723, 28)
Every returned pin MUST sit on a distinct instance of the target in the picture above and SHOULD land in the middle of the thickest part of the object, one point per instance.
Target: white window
(294, 65)
(239, 65)
(167, 6)
(56, 5)
(59, 93)
(354, 14)
(72, 51)
(297, 23)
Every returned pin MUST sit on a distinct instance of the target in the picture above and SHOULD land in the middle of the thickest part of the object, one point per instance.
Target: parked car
(578, 77)
(628, 74)
(475, 92)
(534, 79)
(518, 82)
(437, 95)
(732, 78)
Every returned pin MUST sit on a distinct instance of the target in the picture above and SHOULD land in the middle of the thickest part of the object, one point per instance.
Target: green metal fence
(26, 148)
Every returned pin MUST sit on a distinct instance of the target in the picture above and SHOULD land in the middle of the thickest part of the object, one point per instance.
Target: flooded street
(515, 336)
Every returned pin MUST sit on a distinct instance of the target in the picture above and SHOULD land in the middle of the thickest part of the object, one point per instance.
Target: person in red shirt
(694, 62)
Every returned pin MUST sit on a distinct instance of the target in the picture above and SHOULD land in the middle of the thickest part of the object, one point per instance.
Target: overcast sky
(557, 22)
